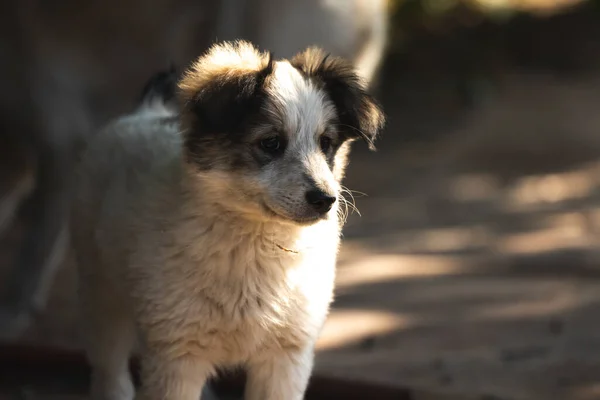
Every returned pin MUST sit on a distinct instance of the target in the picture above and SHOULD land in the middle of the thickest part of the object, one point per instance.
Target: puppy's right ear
(222, 88)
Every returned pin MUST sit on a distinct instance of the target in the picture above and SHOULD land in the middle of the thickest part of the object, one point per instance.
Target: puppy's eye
(325, 143)
(271, 144)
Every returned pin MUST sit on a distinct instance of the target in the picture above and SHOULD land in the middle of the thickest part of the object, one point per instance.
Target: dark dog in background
(42, 120)
(66, 73)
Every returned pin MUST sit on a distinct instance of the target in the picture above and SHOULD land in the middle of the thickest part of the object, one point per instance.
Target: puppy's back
(124, 160)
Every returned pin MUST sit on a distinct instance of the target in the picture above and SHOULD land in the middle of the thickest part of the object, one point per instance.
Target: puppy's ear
(359, 114)
(223, 87)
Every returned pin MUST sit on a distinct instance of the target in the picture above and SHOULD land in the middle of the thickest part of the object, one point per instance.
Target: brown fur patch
(222, 61)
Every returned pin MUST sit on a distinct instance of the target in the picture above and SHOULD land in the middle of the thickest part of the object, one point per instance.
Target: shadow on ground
(475, 264)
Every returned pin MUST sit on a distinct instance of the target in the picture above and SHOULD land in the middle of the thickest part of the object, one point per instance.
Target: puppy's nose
(320, 200)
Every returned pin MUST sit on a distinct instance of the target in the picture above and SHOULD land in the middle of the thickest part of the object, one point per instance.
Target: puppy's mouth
(295, 219)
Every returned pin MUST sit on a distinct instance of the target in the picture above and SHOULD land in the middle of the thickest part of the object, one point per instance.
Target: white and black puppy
(208, 236)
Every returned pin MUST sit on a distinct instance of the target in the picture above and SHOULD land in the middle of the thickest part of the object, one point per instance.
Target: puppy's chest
(271, 289)
(263, 297)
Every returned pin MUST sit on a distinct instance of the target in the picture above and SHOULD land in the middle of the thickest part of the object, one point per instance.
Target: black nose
(320, 200)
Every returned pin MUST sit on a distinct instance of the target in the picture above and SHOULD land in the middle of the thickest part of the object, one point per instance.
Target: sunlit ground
(467, 275)
(470, 295)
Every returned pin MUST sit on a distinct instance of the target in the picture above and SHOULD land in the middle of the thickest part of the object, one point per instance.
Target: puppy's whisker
(349, 203)
(361, 134)
(346, 209)
(343, 211)
(355, 193)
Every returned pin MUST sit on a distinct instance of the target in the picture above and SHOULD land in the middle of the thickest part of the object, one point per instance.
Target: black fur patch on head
(360, 116)
(220, 114)
(224, 105)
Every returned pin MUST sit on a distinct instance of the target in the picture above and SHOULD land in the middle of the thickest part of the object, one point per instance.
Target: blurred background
(475, 266)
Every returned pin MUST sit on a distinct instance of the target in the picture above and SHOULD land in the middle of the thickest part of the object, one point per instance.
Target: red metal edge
(19, 359)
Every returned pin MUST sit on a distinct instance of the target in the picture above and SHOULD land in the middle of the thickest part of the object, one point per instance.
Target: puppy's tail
(159, 92)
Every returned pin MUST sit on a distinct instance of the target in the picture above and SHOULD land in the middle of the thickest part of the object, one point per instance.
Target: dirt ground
(475, 266)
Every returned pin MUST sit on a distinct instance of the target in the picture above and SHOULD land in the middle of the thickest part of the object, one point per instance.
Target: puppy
(206, 233)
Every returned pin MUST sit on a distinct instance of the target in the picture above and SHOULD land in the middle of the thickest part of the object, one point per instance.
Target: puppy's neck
(239, 227)
(205, 206)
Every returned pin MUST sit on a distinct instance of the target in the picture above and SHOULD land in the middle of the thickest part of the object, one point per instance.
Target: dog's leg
(10, 199)
(109, 337)
(16, 180)
(62, 123)
(109, 358)
(281, 376)
(43, 246)
(174, 379)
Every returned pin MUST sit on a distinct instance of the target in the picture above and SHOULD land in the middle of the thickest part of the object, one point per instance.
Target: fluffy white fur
(171, 263)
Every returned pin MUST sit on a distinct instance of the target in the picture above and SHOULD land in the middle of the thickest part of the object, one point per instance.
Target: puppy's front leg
(179, 379)
(280, 376)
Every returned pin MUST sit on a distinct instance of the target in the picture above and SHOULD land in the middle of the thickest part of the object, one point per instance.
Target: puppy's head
(270, 138)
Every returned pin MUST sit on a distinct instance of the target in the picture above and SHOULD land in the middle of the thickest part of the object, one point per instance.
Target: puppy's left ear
(359, 113)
